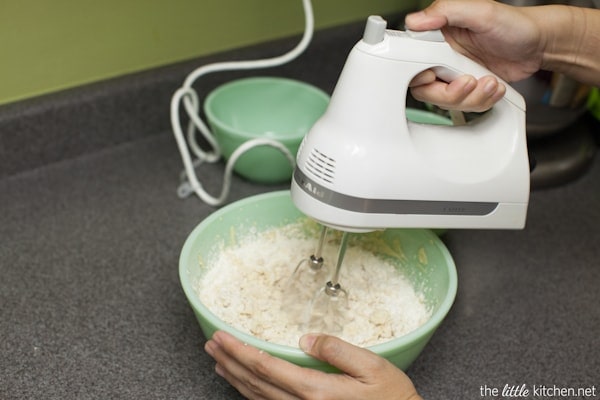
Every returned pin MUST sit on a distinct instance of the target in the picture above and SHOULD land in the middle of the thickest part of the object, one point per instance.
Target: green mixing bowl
(426, 262)
(263, 107)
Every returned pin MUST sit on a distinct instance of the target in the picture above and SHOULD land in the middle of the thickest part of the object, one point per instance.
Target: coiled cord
(191, 103)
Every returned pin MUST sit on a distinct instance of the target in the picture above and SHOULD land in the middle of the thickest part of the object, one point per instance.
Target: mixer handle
(424, 48)
(368, 98)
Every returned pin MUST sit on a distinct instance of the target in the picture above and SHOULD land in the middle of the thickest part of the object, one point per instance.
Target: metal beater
(326, 307)
(314, 261)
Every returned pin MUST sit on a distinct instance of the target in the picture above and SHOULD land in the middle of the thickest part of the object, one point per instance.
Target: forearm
(571, 41)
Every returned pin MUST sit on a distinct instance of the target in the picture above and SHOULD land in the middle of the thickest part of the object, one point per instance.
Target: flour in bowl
(250, 286)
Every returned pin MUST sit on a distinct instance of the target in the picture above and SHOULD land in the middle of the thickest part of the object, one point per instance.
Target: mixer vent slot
(321, 166)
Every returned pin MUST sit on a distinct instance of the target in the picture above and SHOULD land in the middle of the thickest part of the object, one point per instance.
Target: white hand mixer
(363, 166)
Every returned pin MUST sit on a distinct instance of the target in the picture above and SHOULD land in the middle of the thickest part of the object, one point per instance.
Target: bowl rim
(239, 133)
(393, 345)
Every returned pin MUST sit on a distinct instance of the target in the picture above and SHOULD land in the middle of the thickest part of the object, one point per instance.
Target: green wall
(48, 45)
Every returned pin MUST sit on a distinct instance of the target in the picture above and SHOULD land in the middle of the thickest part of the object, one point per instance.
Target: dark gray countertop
(91, 306)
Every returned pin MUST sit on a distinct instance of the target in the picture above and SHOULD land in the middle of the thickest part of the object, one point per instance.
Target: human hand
(258, 375)
(465, 93)
(503, 38)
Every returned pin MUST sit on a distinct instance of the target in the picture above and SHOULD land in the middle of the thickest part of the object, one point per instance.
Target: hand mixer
(363, 166)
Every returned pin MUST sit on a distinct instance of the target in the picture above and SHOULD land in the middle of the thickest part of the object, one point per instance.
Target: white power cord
(192, 107)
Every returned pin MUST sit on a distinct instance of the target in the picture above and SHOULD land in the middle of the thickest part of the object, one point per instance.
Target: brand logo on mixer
(314, 189)
(455, 209)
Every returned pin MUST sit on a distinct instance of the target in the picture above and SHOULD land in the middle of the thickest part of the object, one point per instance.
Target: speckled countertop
(91, 306)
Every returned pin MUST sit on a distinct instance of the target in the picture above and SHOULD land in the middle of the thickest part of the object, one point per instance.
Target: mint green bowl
(435, 279)
(263, 107)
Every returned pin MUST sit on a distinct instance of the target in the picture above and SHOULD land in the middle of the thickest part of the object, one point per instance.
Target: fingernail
(209, 348)
(500, 91)
(490, 86)
(306, 342)
(217, 337)
(469, 84)
(219, 370)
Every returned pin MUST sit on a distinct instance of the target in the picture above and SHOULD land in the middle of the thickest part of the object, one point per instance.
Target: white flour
(248, 286)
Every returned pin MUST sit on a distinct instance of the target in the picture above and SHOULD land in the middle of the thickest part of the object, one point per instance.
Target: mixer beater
(315, 261)
(333, 288)
(326, 307)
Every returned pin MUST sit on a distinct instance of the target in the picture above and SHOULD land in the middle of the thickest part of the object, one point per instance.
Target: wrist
(559, 32)
(568, 42)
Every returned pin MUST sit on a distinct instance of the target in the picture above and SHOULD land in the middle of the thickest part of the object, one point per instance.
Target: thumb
(473, 15)
(350, 359)
(425, 20)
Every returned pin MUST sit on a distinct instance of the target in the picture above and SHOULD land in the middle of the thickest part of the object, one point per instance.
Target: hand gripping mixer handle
(371, 97)
(378, 156)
